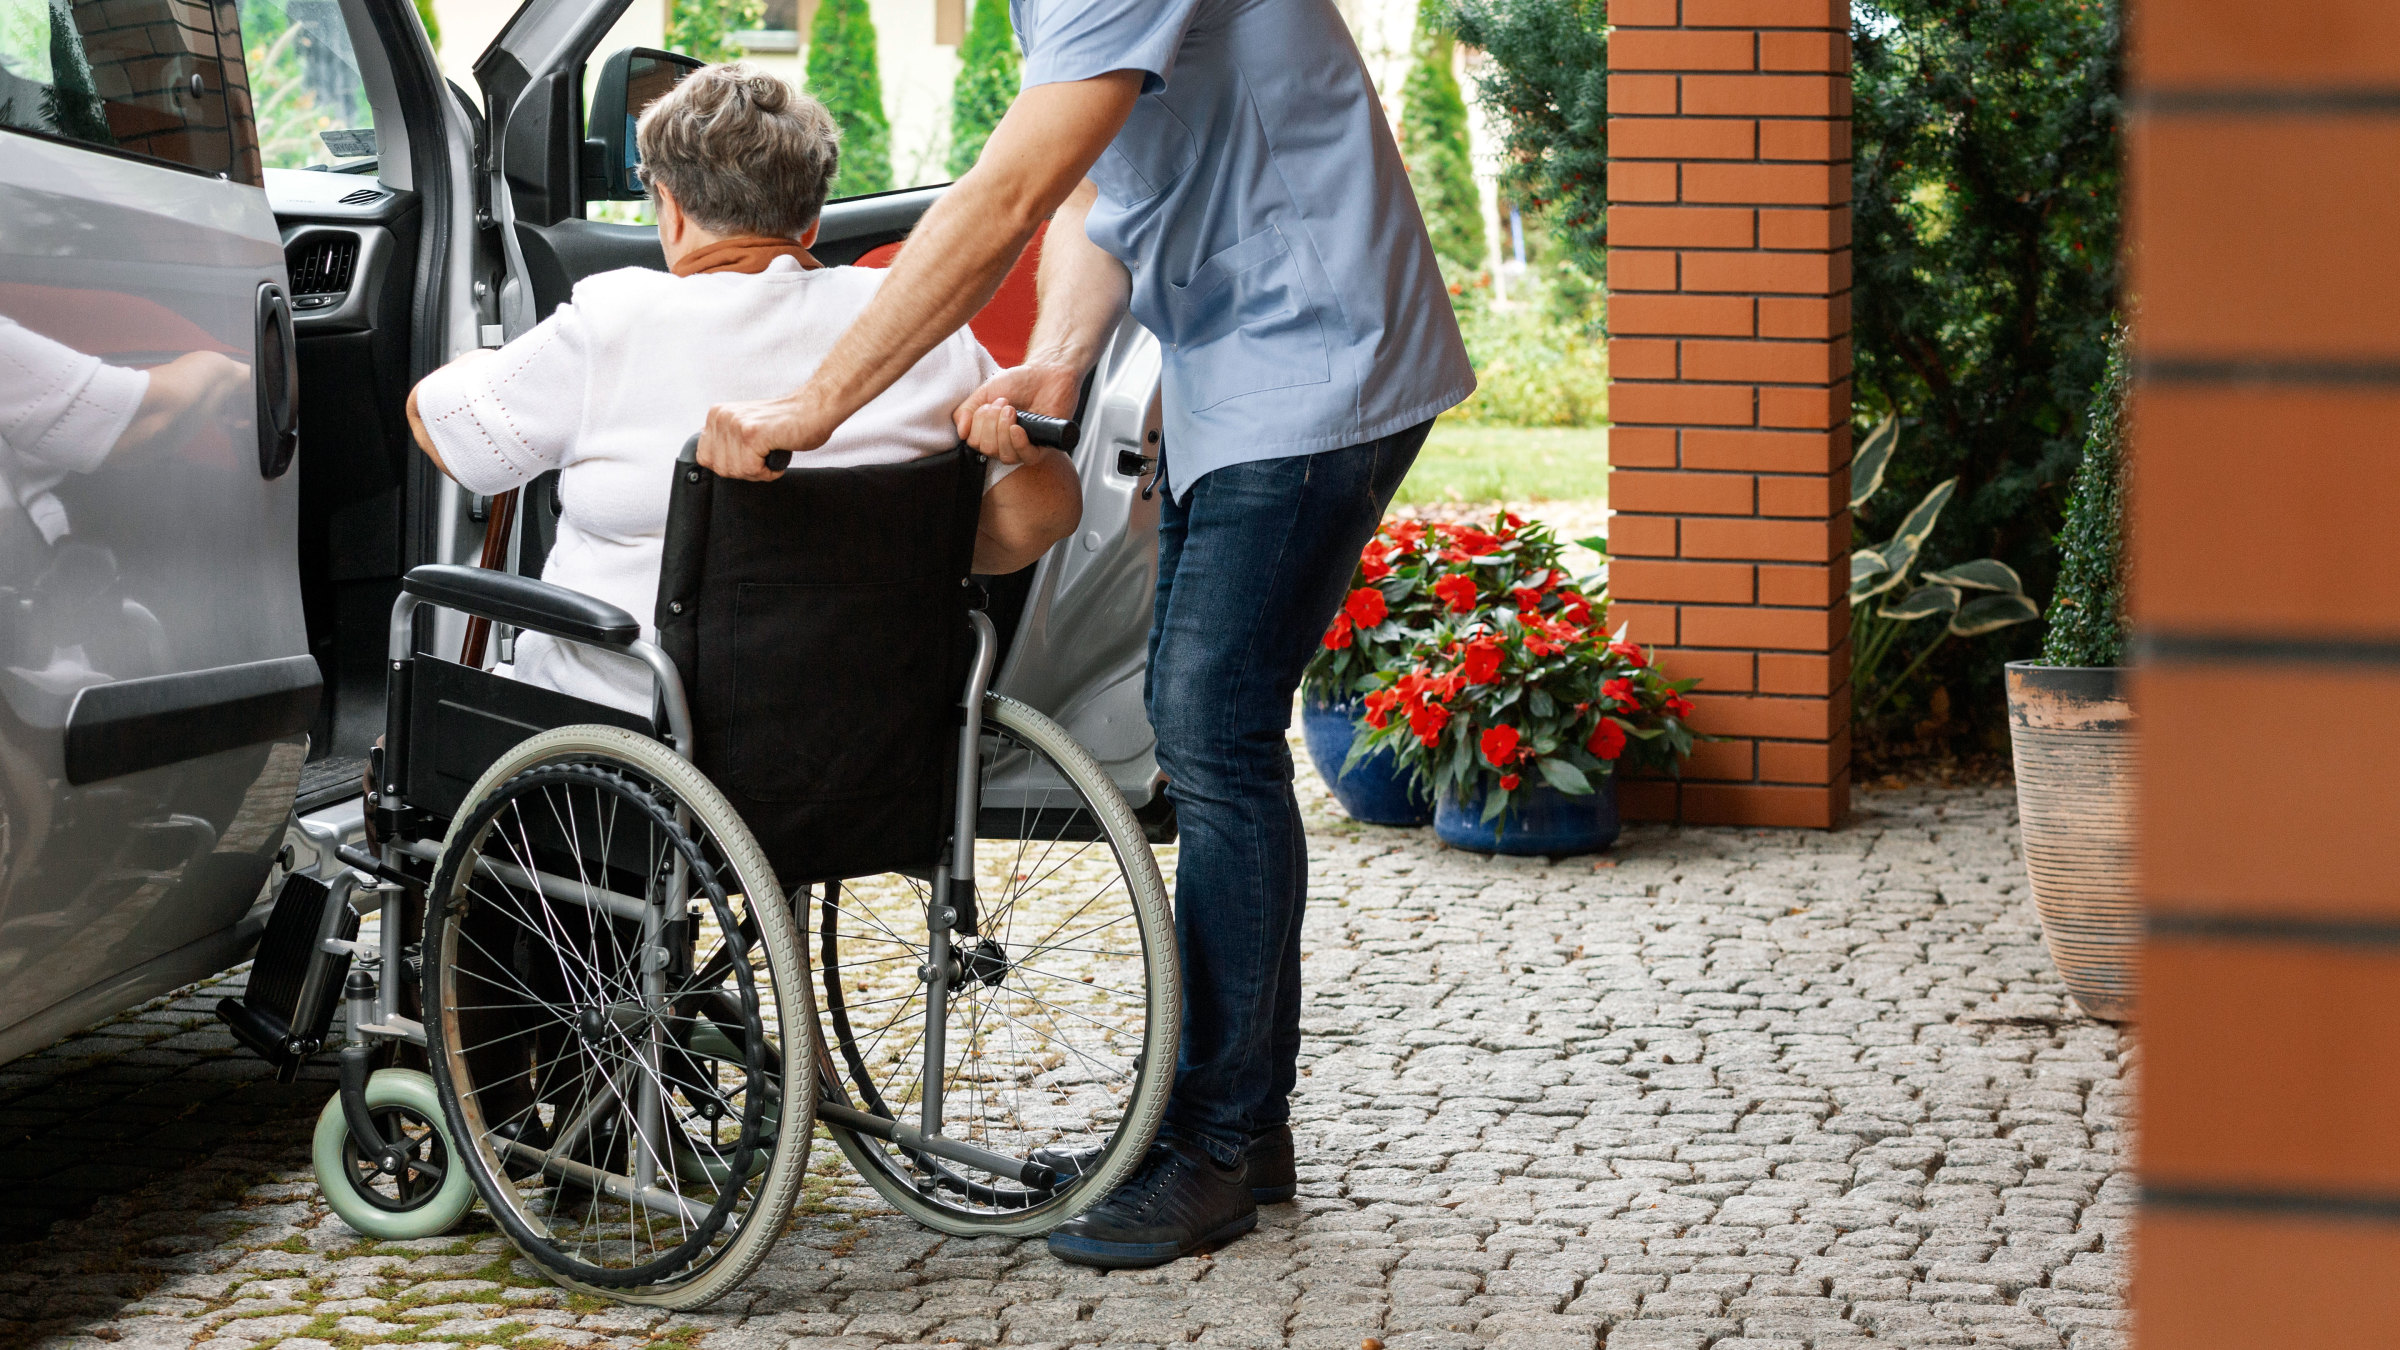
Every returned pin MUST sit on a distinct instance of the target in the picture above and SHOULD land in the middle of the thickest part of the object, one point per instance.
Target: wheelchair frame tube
(941, 914)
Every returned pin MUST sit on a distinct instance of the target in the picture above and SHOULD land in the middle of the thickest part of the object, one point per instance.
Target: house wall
(2265, 198)
(1729, 352)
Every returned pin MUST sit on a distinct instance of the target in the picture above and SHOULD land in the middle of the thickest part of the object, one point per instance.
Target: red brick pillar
(2264, 187)
(1729, 347)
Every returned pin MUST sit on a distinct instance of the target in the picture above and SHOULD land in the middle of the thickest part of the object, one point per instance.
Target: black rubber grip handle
(1059, 432)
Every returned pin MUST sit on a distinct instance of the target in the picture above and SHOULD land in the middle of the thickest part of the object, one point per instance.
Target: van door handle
(275, 373)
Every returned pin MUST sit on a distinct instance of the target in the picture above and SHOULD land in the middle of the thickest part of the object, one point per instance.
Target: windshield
(305, 90)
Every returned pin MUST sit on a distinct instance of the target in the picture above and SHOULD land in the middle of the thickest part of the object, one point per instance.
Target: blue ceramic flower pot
(1376, 791)
(1540, 819)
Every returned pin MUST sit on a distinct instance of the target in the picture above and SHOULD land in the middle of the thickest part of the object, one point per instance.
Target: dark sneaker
(1178, 1202)
(1273, 1178)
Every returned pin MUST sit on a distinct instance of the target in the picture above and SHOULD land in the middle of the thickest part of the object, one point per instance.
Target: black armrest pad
(505, 597)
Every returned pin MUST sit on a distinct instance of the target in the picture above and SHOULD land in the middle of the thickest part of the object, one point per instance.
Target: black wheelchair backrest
(820, 625)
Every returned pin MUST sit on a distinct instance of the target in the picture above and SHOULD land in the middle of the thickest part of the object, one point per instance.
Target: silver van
(233, 233)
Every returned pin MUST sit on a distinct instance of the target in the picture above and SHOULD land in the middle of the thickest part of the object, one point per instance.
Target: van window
(146, 77)
(305, 91)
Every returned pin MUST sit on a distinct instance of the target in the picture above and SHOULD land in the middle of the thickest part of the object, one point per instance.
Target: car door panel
(150, 718)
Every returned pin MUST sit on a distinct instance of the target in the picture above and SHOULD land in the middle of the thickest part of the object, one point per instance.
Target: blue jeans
(1251, 567)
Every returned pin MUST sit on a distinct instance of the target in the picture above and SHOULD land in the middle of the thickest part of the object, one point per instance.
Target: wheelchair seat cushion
(820, 624)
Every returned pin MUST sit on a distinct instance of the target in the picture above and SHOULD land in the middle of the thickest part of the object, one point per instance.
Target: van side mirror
(630, 81)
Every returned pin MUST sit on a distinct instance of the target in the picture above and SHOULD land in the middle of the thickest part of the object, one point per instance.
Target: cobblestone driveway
(1750, 1090)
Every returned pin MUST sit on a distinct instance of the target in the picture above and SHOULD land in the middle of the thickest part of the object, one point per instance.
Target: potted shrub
(1518, 710)
(1390, 608)
(2073, 733)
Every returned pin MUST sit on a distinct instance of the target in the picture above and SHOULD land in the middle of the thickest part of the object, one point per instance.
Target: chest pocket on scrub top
(1243, 324)
(1152, 150)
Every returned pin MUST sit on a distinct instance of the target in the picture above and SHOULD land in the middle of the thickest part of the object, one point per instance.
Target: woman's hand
(1047, 388)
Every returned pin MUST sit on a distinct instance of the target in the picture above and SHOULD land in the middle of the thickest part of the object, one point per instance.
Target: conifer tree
(1433, 142)
(842, 75)
(2087, 613)
(988, 78)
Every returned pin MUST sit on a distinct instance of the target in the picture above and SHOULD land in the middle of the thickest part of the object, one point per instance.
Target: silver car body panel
(167, 561)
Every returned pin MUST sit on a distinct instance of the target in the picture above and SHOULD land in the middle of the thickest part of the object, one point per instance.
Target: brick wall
(1729, 349)
(2265, 158)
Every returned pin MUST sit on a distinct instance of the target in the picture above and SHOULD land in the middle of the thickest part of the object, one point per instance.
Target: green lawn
(1514, 464)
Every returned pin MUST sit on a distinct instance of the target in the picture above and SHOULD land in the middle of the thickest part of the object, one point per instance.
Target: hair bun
(765, 92)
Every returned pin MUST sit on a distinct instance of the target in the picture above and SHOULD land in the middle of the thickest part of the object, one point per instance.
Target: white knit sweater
(608, 388)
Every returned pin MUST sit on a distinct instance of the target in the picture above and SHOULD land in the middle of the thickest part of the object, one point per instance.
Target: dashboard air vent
(322, 265)
(362, 197)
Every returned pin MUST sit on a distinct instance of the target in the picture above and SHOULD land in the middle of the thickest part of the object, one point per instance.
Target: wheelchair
(832, 882)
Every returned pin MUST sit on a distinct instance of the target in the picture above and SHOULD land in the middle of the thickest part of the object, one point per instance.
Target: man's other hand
(988, 419)
(735, 441)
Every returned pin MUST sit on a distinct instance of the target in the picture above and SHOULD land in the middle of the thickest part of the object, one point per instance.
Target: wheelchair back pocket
(839, 690)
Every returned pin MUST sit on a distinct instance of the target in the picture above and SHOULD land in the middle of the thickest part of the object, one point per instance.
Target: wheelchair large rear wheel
(1062, 1001)
(618, 1018)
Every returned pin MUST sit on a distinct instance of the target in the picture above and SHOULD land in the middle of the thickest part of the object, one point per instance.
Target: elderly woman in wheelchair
(627, 849)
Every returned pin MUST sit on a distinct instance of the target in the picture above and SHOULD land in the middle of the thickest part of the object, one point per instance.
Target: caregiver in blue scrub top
(1223, 168)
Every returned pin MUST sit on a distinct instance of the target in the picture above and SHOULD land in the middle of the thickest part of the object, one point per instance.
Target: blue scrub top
(1258, 199)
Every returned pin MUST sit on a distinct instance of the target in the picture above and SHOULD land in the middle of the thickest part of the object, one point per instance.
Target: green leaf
(1597, 543)
(1920, 519)
(1925, 602)
(1495, 802)
(1874, 455)
(1564, 776)
(1983, 574)
(1541, 704)
(1869, 574)
(1990, 612)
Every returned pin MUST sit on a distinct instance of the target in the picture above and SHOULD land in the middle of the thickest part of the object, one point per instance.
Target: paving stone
(1740, 1089)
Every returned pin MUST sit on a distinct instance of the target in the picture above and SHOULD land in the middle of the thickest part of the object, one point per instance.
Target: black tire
(601, 1038)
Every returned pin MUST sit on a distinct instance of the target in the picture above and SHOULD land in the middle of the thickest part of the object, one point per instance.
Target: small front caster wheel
(426, 1195)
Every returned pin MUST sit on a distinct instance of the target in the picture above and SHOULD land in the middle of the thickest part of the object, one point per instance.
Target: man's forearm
(961, 251)
(1082, 291)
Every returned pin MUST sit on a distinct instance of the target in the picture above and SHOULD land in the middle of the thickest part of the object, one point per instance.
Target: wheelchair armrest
(505, 597)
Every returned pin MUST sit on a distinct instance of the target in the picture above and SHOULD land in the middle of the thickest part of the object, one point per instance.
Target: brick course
(1729, 315)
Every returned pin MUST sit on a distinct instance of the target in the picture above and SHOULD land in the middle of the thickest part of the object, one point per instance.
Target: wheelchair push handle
(1059, 433)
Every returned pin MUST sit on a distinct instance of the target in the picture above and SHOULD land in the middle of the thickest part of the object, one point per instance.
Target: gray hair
(742, 152)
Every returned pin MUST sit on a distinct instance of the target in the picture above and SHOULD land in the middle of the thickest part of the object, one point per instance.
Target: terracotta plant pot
(2075, 744)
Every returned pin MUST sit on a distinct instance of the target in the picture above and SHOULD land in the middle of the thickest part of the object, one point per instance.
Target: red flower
(1365, 607)
(1577, 611)
(1457, 591)
(1375, 561)
(1407, 533)
(1630, 652)
(1528, 599)
(1379, 707)
(1426, 721)
(1338, 635)
(1622, 690)
(1508, 782)
(1474, 541)
(1679, 706)
(1482, 661)
(1498, 744)
(1608, 740)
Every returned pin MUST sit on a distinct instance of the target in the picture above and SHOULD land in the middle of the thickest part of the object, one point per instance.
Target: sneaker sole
(1084, 1251)
(1273, 1195)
